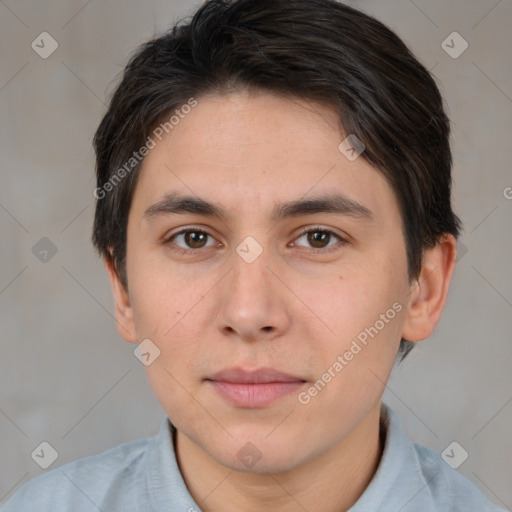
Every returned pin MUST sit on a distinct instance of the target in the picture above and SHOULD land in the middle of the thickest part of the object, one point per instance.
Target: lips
(254, 389)
(261, 376)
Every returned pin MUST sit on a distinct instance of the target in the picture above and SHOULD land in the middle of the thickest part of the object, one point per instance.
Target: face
(320, 294)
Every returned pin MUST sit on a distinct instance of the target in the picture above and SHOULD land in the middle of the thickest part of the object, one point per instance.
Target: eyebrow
(175, 203)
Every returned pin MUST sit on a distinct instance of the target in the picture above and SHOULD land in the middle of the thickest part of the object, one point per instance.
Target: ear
(124, 312)
(430, 289)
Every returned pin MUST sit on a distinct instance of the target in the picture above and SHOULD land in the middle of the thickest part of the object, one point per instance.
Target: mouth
(254, 389)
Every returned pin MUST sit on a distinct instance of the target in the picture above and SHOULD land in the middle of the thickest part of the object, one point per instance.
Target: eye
(319, 238)
(192, 238)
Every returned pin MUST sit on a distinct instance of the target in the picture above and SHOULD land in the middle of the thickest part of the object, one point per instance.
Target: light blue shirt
(143, 476)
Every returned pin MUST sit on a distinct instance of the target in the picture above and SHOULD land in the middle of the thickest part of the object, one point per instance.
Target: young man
(273, 206)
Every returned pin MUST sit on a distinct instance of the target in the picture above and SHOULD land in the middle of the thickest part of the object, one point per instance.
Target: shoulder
(412, 477)
(85, 484)
(449, 489)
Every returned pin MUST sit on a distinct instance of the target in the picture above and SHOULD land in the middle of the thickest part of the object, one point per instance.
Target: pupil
(313, 239)
(192, 238)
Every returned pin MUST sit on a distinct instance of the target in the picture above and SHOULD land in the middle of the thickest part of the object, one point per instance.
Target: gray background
(66, 376)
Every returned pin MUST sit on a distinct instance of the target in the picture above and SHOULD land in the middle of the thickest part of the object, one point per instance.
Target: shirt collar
(398, 468)
(399, 478)
(167, 489)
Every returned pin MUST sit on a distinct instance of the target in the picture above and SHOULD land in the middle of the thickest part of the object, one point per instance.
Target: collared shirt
(144, 476)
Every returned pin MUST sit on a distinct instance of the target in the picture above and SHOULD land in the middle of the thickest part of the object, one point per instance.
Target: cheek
(173, 311)
(155, 309)
(166, 311)
(161, 297)
(347, 303)
(365, 311)
(352, 364)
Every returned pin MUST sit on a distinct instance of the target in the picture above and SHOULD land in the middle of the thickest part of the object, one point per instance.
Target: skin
(292, 309)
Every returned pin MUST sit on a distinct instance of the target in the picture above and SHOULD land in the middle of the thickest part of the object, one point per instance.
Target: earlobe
(430, 290)
(123, 308)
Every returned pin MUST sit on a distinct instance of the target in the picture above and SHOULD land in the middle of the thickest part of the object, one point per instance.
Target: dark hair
(318, 50)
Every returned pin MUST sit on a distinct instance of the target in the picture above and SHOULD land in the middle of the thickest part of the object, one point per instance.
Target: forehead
(250, 151)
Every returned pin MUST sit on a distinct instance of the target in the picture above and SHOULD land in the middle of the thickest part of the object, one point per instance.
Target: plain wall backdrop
(66, 376)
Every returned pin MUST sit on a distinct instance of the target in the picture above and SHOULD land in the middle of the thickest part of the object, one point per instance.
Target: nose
(253, 303)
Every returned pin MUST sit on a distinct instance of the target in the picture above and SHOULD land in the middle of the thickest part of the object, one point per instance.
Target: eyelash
(314, 229)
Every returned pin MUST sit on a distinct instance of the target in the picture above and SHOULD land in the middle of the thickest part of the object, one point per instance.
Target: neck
(332, 482)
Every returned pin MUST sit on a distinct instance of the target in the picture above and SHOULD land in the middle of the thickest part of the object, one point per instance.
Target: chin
(263, 463)
(258, 455)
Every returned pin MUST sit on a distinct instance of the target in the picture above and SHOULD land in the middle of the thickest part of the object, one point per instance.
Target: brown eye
(192, 239)
(195, 239)
(319, 240)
